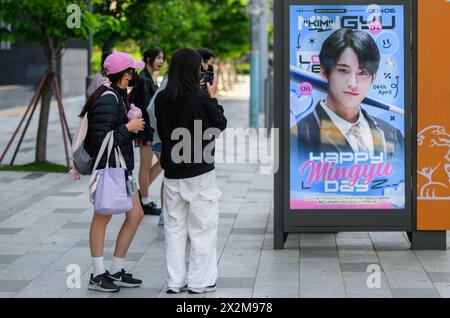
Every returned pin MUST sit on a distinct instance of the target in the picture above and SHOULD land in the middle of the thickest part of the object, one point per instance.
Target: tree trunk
(41, 141)
(108, 46)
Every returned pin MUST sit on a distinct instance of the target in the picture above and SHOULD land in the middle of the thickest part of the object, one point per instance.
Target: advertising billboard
(347, 106)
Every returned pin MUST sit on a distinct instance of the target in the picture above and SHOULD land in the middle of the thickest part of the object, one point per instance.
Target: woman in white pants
(188, 121)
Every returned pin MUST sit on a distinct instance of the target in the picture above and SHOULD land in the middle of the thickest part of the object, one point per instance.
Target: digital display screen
(347, 107)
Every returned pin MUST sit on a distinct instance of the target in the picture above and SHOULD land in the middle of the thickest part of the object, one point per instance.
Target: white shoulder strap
(93, 180)
(107, 142)
(108, 92)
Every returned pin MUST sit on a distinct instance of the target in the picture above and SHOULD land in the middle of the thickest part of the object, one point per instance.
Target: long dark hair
(205, 53)
(150, 55)
(184, 73)
(114, 78)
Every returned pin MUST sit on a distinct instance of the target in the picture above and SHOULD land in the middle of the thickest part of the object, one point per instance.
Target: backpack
(82, 160)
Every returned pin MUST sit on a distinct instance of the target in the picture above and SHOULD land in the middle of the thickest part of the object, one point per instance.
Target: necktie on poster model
(357, 133)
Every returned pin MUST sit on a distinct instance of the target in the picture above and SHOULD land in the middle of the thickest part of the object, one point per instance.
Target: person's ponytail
(91, 100)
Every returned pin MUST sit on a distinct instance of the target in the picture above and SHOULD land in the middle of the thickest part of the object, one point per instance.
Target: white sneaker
(176, 290)
(202, 290)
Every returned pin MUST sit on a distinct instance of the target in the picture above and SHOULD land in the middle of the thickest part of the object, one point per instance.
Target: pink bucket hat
(120, 61)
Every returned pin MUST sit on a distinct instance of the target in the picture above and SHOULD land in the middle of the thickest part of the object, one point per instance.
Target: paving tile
(238, 270)
(66, 194)
(245, 241)
(131, 256)
(317, 240)
(23, 218)
(357, 267)
(322, 293)
(26, 149)
(9, 230)
(318, 254)
(325, 283)
(356, 285)
(437, 277)
(435, 261)
(222, 292)
(319, 248)
(400, 259)
(18, 247)
(443, 289)
(280, 257)
(235, 282)
(390, 241)
(8, 259)
(408, 279)
(369, 295)
(319, 265)
(29, 265)
(247, 231)
(354, 244)
(160, 237)
(358, 256)
(13, 285)
(228, 215)
(234, 182)
(136, 293)
(404, 270)
(231, 257)
(68, 210)
(276, 290)
(85, 243)
(415, 293)
(352, 235)
(34, 175)
(76, 225)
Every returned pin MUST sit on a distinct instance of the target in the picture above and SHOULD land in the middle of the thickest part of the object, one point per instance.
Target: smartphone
(207, 77)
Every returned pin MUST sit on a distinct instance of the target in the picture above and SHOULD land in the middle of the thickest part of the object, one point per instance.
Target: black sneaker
(176, 290)
(124, 280)
(102, 283)
(151, 209)
(202, 290)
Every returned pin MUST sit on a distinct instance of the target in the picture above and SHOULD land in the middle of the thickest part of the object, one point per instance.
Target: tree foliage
(45, 24)
(221, 25)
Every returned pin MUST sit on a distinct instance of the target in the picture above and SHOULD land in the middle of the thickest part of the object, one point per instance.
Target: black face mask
(134, 79)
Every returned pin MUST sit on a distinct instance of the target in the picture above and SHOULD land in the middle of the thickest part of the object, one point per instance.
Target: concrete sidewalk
(45, 218)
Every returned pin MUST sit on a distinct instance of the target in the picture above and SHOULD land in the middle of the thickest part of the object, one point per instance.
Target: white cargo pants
(191, 206)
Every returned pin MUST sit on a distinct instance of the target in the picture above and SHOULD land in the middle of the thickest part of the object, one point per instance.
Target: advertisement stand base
(428, 240)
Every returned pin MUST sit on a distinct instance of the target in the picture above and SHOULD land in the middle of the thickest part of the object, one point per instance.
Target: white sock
(99, 268)
(146, 200)
(116, 265)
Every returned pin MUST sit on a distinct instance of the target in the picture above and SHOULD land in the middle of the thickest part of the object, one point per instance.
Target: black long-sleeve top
(183, 113)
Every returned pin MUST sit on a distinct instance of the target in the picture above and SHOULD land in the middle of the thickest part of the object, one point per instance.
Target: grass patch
(43, 166)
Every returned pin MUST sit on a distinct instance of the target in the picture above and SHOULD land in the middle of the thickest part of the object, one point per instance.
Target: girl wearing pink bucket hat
(107, 110)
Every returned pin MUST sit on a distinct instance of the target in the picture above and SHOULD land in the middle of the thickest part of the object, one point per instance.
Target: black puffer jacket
(105, 115)
(141, 95)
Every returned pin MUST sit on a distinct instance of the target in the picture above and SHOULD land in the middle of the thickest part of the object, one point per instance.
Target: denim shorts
(157, 147)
